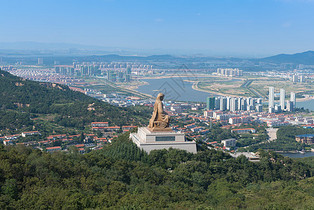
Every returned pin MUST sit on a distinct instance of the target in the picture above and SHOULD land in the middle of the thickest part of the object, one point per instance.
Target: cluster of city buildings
(298, 78)
(8, 139)
(229, 72)
(229, 111)
(44, 75)
(114, 73)
(271, 119)
(57, 142)
(62, 142)
(234, 104)
(283, 105)
(106, 129)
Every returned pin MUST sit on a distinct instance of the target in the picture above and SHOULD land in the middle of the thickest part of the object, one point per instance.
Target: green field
(258, 86)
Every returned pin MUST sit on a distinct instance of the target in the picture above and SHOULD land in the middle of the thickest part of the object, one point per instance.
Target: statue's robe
(158, 115)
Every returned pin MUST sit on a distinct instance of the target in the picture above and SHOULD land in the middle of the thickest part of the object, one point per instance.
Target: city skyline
(222, 28)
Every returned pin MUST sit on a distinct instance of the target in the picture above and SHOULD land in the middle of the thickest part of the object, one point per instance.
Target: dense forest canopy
(122, 176)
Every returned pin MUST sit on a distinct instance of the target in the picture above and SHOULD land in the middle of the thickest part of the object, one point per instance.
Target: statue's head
(160, 96)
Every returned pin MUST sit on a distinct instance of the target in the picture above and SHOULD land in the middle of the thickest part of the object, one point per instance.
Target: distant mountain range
(37, 48)
(94, 53)
(298, 58)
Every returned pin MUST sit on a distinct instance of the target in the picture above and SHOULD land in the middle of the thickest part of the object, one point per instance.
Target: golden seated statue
(160, 120)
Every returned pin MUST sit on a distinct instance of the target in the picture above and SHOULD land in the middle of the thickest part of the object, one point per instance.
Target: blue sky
(213, 27)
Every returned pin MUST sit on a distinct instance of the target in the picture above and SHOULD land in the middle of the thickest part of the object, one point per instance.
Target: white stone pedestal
(150, 140)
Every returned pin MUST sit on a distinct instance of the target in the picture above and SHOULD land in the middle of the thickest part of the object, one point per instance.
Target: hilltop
(23, 101)
(298, 58)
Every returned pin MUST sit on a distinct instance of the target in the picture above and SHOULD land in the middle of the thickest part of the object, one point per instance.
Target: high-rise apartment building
(228, 102)
(290, 106)
(244, 104)
(271, 97)
(282, 98)
(223, 104)
(259, 108)
(302, 79)
(217, 103)
(294, 78)
(229, 72)
(293, 99)
(210, 103)
(233, 104)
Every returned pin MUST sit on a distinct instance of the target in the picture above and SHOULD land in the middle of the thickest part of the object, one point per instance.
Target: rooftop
(306, 135)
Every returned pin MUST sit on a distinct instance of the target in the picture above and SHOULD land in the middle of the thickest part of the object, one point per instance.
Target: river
(298, 155)
(306, 104)
(175, 89)
(178, 89)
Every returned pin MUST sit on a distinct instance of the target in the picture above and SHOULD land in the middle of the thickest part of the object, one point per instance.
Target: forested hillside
(121, 176)
(285, 140)
(21, 100)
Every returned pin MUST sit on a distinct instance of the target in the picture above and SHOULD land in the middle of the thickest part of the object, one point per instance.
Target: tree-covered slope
(285, 140)
(122, 177)
(22, 99)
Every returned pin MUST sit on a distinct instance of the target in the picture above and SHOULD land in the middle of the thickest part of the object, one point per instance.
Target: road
(247, 84)
(272, 133)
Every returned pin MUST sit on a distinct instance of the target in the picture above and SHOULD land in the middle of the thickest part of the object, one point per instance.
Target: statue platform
(150, 139)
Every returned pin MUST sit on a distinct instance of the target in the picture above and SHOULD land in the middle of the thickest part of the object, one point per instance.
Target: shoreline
(305, 99)
(195, 87)
(133, 87)
(180, 75)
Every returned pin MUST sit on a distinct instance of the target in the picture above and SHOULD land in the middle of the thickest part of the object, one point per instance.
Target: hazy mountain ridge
(306, 58)
(78, 52)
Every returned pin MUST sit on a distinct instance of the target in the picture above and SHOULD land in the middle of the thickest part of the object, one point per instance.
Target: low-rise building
(196, 129)
(30, 133)
(253, 157)
(12, 137)
(100, 124)
(113, 128)
(276, 123)
(57, 137)
(189, 126)
(229, 142)
(127, 128)
(7, 142)
(244, 130)
(53, 149)
(305, 138)
(203, 132)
